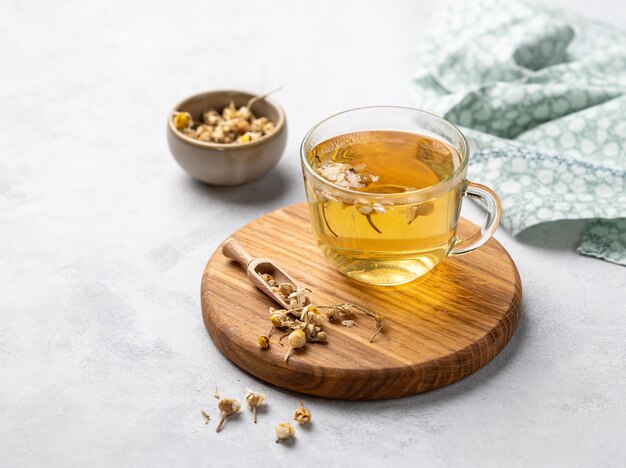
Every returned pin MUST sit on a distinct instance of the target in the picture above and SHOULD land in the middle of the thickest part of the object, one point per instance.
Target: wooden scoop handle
(235, 251)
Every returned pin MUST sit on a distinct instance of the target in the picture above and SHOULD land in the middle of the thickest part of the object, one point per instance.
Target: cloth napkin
(541, 95)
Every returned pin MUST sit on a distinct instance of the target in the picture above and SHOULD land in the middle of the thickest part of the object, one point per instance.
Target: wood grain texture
(438, 329)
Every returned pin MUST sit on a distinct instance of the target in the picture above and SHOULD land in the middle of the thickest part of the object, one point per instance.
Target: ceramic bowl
(227, 164)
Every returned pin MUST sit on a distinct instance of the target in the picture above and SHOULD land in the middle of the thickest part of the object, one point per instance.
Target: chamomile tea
(367, 211)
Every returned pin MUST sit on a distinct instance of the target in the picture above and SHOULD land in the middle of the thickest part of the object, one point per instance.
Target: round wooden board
(438, 329)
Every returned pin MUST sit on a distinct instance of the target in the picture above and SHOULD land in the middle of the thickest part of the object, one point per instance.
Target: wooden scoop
(255, 267)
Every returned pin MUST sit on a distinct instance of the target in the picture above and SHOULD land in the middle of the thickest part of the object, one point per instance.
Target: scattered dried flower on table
(216, 394)
(263, 342)
(227, 406)
(303, 415)
(254, 400)
(348, 323)
(297, 339)
(207, 418)
(284, 431)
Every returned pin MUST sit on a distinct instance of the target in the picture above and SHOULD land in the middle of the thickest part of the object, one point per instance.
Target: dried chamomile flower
(338, 311)
(183, 120)
(245, 138)
(227, 406)
(365, 210)
(299, 297)
(322, 337)
(245, 113)
(241, 126)
(204, 136)
(368, 210)
(286, 289)
(311, 314)
(344, 174)
(207, 418)
(258, 124)
(297, 339)
(355, 180)
(284, 431)
(280, 318)
(421, 209)
(303, 415)
(378, 319)
(333, 172)
(269, 279)
(378, 208)
(332, 315)
(315, 334)
(312, 309)
(230, 111)
(263, 342)
(211, 117)
(268, 127)
(254, 400)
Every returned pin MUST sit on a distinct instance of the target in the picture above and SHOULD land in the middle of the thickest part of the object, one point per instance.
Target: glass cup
(389, 239)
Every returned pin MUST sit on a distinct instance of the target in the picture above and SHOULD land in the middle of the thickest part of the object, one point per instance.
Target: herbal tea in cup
(384, 186)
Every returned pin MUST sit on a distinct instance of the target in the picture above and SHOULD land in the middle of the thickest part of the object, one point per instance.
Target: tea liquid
(383, 239)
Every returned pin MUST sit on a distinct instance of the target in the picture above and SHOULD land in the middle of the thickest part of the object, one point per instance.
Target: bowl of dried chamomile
(227, 137)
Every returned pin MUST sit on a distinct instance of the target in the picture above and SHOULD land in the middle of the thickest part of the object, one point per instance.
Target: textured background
(104, 360)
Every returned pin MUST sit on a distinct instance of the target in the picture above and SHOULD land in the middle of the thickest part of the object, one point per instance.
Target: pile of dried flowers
(305, 321)
(232, 125)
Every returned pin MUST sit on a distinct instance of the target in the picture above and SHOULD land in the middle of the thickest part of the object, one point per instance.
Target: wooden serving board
(438, 329)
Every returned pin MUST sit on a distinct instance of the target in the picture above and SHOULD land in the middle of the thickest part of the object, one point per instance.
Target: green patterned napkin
(541, 95)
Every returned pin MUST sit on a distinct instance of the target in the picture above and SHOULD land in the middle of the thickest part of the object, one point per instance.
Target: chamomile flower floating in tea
(420, 209)
(370, 211)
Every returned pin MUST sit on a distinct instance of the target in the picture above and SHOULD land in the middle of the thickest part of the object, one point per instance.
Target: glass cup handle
(490, 200)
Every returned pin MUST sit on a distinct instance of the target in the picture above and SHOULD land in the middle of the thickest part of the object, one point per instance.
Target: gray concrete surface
(104, 360)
